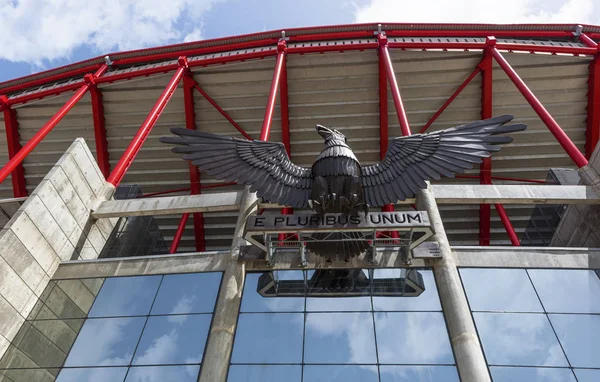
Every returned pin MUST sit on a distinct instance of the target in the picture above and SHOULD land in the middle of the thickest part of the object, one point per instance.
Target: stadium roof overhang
(372, 81)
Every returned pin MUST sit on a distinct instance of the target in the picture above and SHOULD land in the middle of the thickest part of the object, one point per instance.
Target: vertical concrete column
(222, 331)
(463, 337)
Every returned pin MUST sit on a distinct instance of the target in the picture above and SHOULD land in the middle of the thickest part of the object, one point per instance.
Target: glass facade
(343, 325)
(537, 325)
(140, 328)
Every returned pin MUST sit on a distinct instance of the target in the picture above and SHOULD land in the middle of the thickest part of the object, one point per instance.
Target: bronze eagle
(337, 182)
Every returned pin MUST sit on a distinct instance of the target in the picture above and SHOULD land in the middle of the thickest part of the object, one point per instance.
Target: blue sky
(43, 34)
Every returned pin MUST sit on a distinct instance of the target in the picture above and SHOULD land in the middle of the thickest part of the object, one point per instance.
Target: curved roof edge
(296, 34)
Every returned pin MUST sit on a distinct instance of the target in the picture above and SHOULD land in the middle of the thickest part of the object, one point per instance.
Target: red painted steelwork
(14, 162)
(575, 50)
(593, 107)
(389, 67)
(383, 109)
(503, 178)
(507, 225)
(45, 93)
(179, 233)
(332, 48)
(562, 138)
(221, 111)
(99, 128)
(268, 120)
(449, 100)
(588, 41)
(485, 170)
(136, 144)
(285, 129)
(11, 126)
(190, 123)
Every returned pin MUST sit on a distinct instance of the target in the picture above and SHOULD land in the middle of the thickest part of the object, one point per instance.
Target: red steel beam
(485, 170)
(285, 128)
(190, 123)
(11, 126)
(268, 120)
(99, 127)
(507, 225)
(383, 109)
(389, 68)
(134, 147)
(588, 41)
(562, 138)
(52, 78)
(179, 233)
(449, 100)
(17, 159)
(593, 107)
(221, 111)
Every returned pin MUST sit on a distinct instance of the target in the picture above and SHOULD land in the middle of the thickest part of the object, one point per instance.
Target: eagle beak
(323, 131)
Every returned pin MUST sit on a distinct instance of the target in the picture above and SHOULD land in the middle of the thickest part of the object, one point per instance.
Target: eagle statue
(336, 182)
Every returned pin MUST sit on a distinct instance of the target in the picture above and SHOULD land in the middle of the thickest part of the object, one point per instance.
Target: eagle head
(330, 134)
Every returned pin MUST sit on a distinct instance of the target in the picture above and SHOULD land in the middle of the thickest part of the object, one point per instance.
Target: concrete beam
(171, 205)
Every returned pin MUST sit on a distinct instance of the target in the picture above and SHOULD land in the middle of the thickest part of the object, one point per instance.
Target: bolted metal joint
(382, 40)
(490, 41)
(4, 103)
(281, 45)
(182, 61)
(89, 79)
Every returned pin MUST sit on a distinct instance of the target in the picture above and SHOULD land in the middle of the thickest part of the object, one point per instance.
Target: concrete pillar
(220, 340)
(461, 328)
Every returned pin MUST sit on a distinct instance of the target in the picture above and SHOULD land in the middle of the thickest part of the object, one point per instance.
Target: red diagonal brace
(285, 131)
(14, 145)
(268, 119)
(179, 233)
(485, 170)
(17, 159)
(507, 225)
(99, 126)
(134, 147)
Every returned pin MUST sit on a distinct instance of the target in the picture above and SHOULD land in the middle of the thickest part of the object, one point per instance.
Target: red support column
(190, 123)
(507, 225)
(389, 68)
(179, 233)
(485, 171)
(593, 107)
(136, 144)
(268, 120)
(14, 145)
(562, 138)
(99, 127)
(285, 128)
(17, 159)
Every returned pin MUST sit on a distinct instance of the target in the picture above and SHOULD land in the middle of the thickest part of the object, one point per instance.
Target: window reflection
(269, 338)
(531, 374)
(339, 338)
(264, 373)
(579, 335)
(519, 339)
(427, 300)
(412, 338)
(177, 339)
(567, 291)
(187, 293)
(418, 374)
(338, 290)
(261, 291)
(125, 296)
(187, 373)
(106, 342)
(92, 374)
(340, 373)
(505, 290)
(587, 375)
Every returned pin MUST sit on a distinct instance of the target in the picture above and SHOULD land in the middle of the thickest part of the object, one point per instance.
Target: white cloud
(480, 11)
(37, 31)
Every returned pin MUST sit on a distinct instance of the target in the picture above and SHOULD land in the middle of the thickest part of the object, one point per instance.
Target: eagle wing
(412, 160)
(265, 166)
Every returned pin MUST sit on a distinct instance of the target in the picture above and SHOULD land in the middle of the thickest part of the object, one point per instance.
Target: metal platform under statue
(275, 234)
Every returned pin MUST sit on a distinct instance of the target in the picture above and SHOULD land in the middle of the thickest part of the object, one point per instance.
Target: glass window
(187, 293)
(264, 373)
(519, 339)
(261, 291)
(106, 342)
(579, 335)
(359, 301)
(125, 296)
(340, 373)
(177, 339)
(413, 338)
(567, 291)
(187, 373)
(504, 290)
(116, 374)
(428, 300)
(418, 373)
(269, 338)
(587, 375)
(531, 374)
(339, 338)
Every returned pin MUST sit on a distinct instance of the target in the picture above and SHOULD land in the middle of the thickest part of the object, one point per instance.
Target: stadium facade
(121, 262)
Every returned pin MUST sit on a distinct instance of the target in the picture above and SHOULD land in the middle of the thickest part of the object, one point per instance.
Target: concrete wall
(53, 225)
